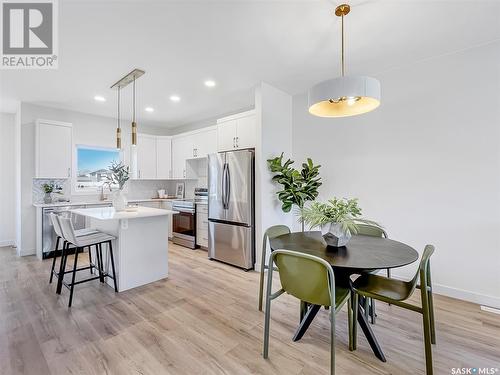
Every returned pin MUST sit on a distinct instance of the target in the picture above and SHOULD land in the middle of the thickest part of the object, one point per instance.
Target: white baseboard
(490, 309)
(7, 243)
(465, 295)
(24, 253)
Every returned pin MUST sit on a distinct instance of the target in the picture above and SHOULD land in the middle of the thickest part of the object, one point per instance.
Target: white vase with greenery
(337, 219)
(119, 176)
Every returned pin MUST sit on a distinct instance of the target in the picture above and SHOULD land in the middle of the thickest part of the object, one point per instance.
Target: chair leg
(62, 267)
(113, 265)
(355, 302)
(431, 317)
(373, 314)
(90, 260)
(389, 273)
(262, 268)
(367, 307)
(54, 260)
(349, 323)
(73, 278)
(427, 330)
(267, 318)
(332, 340)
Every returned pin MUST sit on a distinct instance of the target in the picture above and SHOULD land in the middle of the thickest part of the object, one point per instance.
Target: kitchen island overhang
(141, 246)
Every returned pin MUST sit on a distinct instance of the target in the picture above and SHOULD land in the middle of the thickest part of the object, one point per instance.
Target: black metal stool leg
(90, 260)
(73, 278)
(113, 265)
(62, 267)
(54, 260)
(98, 253)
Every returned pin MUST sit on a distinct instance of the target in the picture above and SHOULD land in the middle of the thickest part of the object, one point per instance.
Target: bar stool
(95, 239)
(57, 229)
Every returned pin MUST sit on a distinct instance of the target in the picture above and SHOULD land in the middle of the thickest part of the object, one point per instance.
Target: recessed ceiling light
(99, 98)
(149, 109)
(210, 83)
(175, 98)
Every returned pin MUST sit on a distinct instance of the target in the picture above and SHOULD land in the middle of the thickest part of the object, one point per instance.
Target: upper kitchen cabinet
(236, 132)
(146, 157)
(53, 149)
(182, 149)
(163, 157)
(204, 142)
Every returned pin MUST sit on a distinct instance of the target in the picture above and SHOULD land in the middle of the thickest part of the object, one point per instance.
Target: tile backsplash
(135, 189)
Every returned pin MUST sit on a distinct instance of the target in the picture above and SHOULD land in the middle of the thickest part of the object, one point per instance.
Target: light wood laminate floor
(204, 320)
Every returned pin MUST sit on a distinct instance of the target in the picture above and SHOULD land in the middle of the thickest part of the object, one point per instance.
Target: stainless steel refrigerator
(231, 227)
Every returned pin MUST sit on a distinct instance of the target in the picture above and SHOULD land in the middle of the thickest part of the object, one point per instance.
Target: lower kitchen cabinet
(202, 225)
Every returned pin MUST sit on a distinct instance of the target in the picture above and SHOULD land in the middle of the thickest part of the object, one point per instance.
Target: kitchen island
(141, 246)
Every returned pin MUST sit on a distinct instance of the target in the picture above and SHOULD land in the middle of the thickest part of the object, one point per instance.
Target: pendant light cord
(134, 101)
(118, 107)
(342, 54)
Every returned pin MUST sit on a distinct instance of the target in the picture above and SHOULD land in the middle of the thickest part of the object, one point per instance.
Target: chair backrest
(272, 232)
(370, 230)
(68, 230)
(423, 268)
(54, 219)
(305, 276)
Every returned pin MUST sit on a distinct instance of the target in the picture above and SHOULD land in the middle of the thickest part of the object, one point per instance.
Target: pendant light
(118, 129)
(134, 124)
(345, 95)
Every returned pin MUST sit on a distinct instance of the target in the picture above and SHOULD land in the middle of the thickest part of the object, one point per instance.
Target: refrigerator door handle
(228, 186)
(224, 186)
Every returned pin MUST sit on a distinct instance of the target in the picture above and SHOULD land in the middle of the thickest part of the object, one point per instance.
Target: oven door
(184, 224)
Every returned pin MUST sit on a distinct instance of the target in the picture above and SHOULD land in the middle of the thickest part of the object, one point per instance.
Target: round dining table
(361, 254)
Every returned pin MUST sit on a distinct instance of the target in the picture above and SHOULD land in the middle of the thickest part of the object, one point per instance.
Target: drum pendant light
(118, 129)
(346, 95)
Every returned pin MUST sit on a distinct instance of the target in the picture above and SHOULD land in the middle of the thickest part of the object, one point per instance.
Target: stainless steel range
(184, 223)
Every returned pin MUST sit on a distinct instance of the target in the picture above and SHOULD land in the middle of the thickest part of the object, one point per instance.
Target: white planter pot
(119, 200)
(334, 235)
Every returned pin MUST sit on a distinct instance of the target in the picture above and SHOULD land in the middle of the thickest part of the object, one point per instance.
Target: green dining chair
(310, 279)
(271, 232)
(373, 231)
(396, 292)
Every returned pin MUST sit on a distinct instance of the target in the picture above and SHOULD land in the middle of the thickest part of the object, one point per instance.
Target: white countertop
(109, 213)
(87, 203)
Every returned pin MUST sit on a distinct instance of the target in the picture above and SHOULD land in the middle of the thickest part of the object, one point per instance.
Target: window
(93, 166)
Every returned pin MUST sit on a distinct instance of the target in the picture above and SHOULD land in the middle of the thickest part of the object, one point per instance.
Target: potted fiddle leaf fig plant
(119, 175)
(337, 218)
(298, 187)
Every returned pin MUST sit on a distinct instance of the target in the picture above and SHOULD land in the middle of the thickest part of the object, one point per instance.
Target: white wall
(87, 129)
(7, 179)
(273, 110)
(426, 165)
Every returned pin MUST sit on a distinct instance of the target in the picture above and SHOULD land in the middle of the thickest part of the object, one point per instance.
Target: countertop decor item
(119, 176)
(345, 95)
(298, 187)
(50, 188)
(337, 218)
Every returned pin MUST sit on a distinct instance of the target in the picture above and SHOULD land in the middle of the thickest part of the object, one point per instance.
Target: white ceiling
(238, 43)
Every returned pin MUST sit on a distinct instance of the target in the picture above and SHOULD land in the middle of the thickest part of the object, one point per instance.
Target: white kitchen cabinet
(182, 149)
(205, 142)
(226, 135)
(146, 157)
(236, 132)
(202, 225)
(167, 205)
(53, 149)
(245, 132)
(163, 157)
